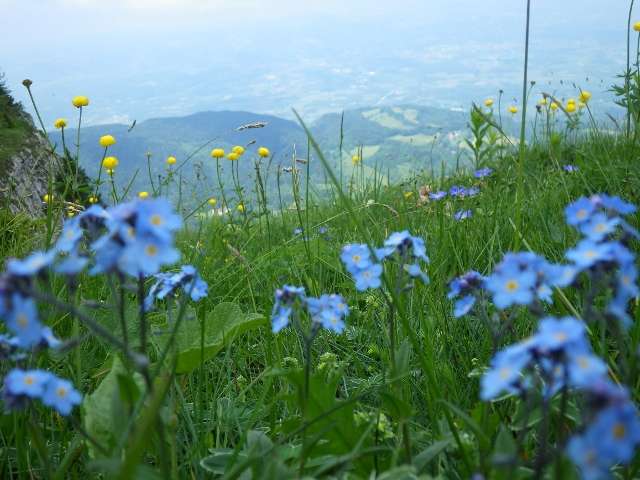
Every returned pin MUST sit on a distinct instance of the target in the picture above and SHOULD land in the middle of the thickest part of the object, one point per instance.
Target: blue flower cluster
(133, 239)
(523, 278)
(600, 220)
(519, 279)
(328, 311)
(168, 283)
(365, 266)
(483, 172)
(20, 386)
(463, 192)
(462, 215)
(559, 356)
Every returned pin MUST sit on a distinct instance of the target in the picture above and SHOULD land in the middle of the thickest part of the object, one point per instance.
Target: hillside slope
(24, 157)
(400, 141)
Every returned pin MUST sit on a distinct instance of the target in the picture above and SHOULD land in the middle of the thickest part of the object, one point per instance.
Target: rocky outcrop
(24, 180)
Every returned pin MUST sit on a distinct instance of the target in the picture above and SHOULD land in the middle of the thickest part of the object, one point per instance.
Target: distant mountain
(399, 140)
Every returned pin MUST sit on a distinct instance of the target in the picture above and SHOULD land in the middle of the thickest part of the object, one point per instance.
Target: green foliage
(221, 326)
(106, 410)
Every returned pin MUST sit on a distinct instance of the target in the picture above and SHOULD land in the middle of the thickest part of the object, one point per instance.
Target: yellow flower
(636, 26)
(110, 163)
(238, 150)
(554, 106)
(107, 140)
(571, 107)
(171, 160)
(212, 201)
(408, 195)
(80, 101)
(513, 109)
(488, 102)
(143, 195)
(356, 159)
(93, 199)
(571, 101)
(543, 102)
(240, 207)
(47, 198)
(217, 153)
(233, 156)
(60, 123)
(264, 152)
(585, 96)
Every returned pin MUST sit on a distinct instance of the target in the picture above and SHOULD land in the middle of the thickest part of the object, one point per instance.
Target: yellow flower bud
(636, 26)
(408, 195)
(217, 153)
(107, 140)
(585, 96)
(233, 156)
(80, 101)
(27, 83)
(571, 107)
(356, 160)
(513, 109)
(543, 102)
(110, 163)
(240, 207)
(93, 199)
(212, 201)
(60, 123)
(264, 152)
(47, 198)
(143, 195)
(171, 160)
(488, 102)
(554, 106)
(239, 150)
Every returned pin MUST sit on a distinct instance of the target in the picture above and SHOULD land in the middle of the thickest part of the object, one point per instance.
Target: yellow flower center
(151, 250)
(156, 220)
(560, 336)
(504, 373)
(582, 213)
(601, 227)
(61, 392)
(590, 253)
(23, 320)
(356, 258)
(583, 362)
(619, 431)
(512, 285)
(28, 380)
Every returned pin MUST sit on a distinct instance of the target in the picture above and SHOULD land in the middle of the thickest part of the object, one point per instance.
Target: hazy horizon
(143, 59)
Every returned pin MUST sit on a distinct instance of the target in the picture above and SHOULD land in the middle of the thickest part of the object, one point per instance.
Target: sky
(139, 59)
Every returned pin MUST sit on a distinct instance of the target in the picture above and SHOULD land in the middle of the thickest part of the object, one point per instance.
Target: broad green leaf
(221, 326)
(219, 460)
(421, 460)
(505, 448)
(104, 406)
(405, 472)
